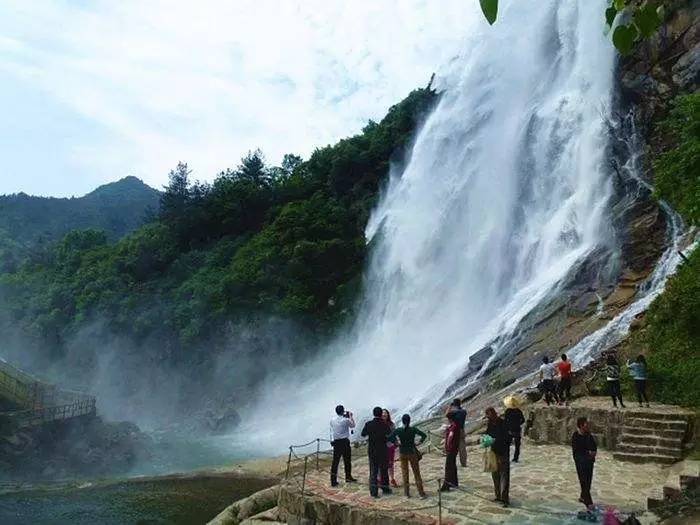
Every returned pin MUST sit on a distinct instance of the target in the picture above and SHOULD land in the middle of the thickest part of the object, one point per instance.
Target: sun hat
(511, 402)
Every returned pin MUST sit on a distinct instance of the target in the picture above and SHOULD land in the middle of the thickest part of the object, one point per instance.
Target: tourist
(564, 369)
(377, 431)
(341, 424)
(409, 454)
(612, 370)
(583, 447)
(496, 428)
(451, 450)
(514, 420)
(390, 446)
(638, 370)
(460, 416)
(547, 373)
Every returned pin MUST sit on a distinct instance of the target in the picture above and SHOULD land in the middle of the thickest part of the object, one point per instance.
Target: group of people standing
(556, 392)
(555, 379)
(638, 371)
(384, 437)
(502, 431)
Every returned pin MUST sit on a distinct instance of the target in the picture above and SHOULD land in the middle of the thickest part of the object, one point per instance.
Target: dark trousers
(341, 448)
(378, 468)
(565, 388)
(516, 439)
(615, 391)
(584, 469)
(550, 391)
(640, 386)
(501, 478)
(451, 470)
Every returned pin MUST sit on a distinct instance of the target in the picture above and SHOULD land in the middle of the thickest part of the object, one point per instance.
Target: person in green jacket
(408, 453)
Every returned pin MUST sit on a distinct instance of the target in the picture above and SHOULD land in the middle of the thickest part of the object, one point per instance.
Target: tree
(252, 168)
(177, 193)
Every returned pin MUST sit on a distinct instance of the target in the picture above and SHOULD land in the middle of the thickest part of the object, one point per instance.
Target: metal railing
(39, 402)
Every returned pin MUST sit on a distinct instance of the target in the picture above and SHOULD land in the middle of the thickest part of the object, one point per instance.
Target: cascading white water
(506, 191)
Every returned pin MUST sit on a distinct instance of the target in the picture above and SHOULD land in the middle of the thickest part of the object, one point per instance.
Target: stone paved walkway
(544, 488)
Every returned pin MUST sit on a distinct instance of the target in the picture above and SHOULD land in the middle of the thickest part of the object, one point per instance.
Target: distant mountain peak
(126, 184)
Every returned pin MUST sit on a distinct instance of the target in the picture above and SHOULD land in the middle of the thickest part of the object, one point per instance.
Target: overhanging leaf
(647, 20)
(619, 4)
(490, 10)
(610, 14)
(623, 38)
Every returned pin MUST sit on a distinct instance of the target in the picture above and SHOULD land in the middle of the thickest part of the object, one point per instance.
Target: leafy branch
(635, 19)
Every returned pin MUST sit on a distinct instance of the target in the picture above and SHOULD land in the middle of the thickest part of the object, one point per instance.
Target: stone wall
(556, 424)
(318, 510)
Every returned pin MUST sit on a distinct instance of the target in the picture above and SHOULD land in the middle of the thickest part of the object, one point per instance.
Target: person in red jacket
(451, 449)
(564, 370)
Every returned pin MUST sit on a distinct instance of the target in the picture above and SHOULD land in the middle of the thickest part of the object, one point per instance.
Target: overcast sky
(92, 91)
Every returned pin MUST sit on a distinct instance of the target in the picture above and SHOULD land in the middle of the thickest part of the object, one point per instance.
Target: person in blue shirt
(638, 371)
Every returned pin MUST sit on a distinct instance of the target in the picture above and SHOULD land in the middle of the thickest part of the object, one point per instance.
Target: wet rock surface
(79, 447)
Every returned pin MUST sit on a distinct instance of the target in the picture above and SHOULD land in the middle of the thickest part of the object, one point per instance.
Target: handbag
(490, 461)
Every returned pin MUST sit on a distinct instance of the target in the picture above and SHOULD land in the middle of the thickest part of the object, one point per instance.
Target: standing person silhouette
(408, 453)
(451, 451)
(564, 369)
(638, 370)
(584, 448)
(341, 424)
(390, 447)
(460, 416)
(496, 428)
(612, 371)
(547, 373)
(377, 431)
(514, 420)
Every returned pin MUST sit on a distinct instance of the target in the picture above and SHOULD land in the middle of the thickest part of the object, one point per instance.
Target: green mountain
(117, 208)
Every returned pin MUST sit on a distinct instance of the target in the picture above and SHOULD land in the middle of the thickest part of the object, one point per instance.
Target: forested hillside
(29, 225)
(259, 241)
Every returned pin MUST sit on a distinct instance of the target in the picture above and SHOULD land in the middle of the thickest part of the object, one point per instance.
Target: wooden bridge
(34, 402)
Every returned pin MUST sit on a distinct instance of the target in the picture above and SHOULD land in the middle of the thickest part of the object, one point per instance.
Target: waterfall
(506, 191)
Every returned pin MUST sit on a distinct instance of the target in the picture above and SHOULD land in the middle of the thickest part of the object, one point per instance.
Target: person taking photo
(341, 425)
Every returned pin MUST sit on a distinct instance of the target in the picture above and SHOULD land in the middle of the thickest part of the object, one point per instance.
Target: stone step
(665, 434)
(676, 452)
(666, 424)
(650, 440)
(644, 458)
(642, 413)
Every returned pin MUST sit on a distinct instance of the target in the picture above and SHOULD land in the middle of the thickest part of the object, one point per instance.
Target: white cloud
(205, 81)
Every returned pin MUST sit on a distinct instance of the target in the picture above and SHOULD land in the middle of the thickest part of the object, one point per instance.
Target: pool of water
(180, 501)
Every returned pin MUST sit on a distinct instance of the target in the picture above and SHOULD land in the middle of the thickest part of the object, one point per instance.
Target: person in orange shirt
(564, 369)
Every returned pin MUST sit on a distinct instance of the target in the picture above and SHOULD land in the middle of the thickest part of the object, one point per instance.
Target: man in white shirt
(547, 373)
(341, 424)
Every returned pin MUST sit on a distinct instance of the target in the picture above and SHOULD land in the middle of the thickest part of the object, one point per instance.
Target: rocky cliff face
(610, 280)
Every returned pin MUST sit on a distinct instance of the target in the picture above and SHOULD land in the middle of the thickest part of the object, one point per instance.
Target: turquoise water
(182, 499)
(189, 501)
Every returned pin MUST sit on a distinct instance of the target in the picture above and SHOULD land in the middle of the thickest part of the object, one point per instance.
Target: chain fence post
(303, 479)
(318, 451)
(439, 501)
(289, 462)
